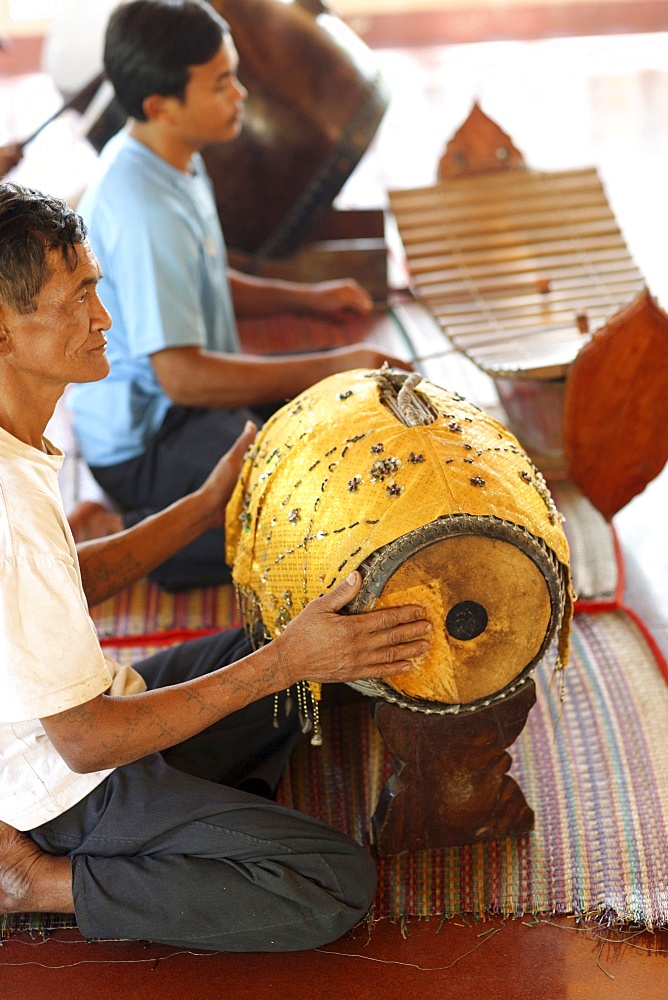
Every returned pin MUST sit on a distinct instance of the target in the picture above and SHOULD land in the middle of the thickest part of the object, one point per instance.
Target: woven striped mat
(592, 762)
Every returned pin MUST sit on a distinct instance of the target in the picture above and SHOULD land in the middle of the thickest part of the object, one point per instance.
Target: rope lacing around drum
(398, 393)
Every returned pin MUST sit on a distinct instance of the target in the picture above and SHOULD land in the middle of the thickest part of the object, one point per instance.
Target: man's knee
(357, 877)
(362, 877)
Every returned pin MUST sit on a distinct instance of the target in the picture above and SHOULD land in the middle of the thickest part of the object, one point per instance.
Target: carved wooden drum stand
(436, 504)
(450, 784)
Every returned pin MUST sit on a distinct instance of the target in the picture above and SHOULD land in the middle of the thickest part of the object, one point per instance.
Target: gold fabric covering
(337, 475)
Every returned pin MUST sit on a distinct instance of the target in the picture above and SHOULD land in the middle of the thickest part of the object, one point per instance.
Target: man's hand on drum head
(322, 645)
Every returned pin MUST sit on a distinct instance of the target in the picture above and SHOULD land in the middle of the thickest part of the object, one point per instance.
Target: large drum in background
(315, 100)
(434, 502)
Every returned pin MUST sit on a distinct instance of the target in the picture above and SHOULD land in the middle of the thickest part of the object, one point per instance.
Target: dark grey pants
(167, 850)
(177, 461)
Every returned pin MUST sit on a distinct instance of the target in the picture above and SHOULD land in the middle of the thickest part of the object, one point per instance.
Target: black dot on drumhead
(466, 620)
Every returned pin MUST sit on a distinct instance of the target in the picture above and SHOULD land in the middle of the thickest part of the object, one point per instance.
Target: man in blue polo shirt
(180, 391)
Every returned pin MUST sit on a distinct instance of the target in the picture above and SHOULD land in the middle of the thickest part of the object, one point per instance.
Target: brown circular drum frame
(495, 596)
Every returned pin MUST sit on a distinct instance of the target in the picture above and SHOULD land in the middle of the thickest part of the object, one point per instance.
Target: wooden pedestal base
(450, 784)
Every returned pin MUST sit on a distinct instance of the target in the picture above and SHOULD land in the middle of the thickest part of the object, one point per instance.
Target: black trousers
(174, 849)
(176, 462)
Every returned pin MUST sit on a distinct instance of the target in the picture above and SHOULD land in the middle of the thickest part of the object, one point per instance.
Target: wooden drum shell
(315, 100)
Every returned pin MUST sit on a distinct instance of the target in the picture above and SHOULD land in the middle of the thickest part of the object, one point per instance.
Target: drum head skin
(494, 597)
(490, 610)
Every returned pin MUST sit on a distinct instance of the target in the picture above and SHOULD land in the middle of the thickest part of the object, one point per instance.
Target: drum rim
(394, 554)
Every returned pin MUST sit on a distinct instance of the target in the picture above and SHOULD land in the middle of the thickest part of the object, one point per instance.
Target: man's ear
(156, 107)
(5, 342)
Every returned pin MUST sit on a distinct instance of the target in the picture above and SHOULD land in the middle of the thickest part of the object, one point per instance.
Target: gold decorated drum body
(434, 502)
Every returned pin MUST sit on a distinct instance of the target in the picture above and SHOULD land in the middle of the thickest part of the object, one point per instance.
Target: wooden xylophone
(528, 274)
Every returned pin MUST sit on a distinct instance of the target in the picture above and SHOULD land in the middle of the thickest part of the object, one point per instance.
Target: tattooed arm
(319, 644)
(109, 564)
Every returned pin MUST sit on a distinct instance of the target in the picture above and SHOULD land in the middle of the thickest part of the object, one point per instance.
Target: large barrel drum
(434, 502)
(315, 100)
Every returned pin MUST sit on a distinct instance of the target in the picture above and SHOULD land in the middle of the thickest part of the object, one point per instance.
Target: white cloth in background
(72, 52)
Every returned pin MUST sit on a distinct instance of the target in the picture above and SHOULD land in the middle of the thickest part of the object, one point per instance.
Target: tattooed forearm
(110, 731)
(110, 564)
(105, 571)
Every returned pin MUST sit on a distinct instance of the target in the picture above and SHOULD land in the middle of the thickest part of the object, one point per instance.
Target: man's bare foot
(91, 519)
(31, 880)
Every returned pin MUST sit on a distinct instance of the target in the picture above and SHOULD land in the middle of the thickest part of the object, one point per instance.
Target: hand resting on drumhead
(322, 645)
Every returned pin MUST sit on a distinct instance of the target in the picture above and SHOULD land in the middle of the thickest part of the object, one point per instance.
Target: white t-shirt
(51, 657)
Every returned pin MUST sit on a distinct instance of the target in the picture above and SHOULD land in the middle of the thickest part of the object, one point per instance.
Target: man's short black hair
(31, 225)
(149, 45)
